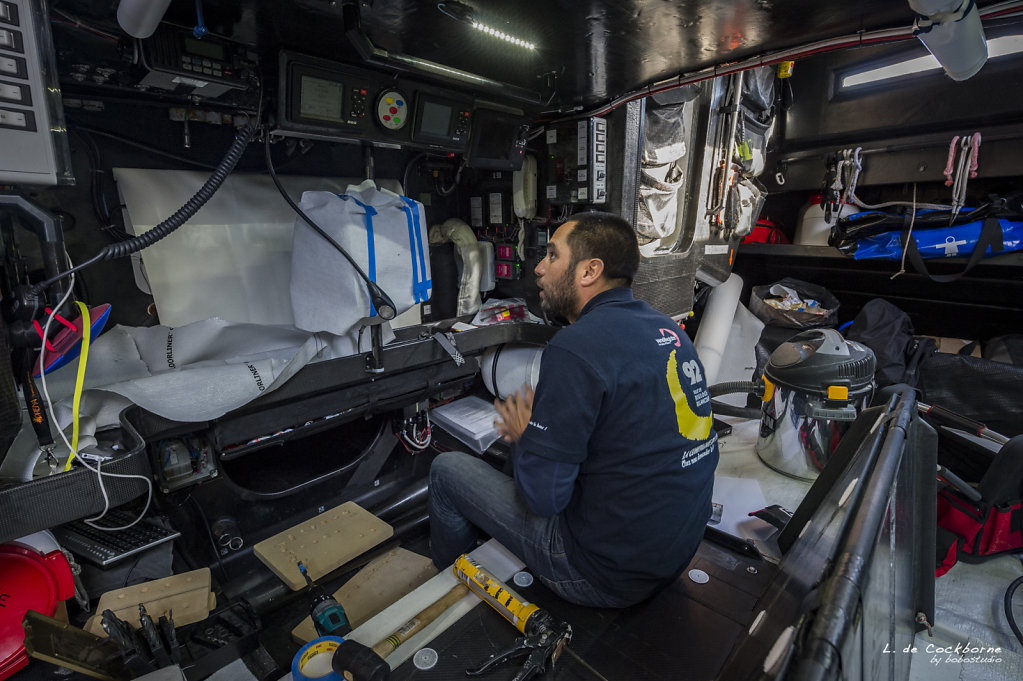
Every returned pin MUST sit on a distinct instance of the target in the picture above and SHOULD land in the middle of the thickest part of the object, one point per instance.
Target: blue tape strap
(324, 645)
(371, 253)
(412, 250)
(425, 284)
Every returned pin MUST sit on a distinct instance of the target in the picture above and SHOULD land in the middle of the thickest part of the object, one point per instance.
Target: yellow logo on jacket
(690, 425)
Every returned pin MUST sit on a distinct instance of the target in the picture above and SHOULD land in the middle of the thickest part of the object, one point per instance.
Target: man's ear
(593, 270)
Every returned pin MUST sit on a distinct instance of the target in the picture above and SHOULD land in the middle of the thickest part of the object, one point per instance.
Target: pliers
(546, 644)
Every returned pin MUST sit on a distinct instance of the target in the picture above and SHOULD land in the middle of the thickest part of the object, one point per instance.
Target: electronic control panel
(209, 67)
(321, 99)
(577, 162)
(33, 140)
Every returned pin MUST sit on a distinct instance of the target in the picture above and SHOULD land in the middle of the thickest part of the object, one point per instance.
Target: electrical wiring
(415, 434)
(408, 168)
(141, 145)
(448, 191)
(859, 39)
(70, 20)
(42, 353)
(96, 175)
(72, 452)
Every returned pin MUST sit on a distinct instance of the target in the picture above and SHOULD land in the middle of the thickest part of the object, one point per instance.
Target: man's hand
(514, 414)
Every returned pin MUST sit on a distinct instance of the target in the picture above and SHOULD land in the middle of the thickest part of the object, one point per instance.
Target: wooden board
(187, 595)
(376, 586)
(323, 543)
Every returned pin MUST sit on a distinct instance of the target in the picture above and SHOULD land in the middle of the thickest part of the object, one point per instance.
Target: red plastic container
(29, 580)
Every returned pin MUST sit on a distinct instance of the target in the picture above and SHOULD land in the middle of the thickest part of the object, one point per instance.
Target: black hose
(1008, 608)
(722, 409)
(731, 387)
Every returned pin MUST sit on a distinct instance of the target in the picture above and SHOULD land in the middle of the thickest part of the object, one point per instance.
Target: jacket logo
(668, 337)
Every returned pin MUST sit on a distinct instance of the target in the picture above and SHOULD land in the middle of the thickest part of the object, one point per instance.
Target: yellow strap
(82, 359)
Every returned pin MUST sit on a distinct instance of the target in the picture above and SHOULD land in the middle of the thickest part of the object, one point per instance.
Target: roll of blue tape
(319, 646)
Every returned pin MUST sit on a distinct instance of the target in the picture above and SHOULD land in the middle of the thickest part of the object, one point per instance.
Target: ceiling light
(464, 13)
(996, 47)
(503, 36)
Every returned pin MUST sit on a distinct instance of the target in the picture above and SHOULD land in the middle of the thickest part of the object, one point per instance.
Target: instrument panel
(327, 100)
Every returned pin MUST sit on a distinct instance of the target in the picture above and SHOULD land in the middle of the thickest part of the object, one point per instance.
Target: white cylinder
(715, 325)
(517, 367)
(929, 8)
(959, 46)
(139, 18)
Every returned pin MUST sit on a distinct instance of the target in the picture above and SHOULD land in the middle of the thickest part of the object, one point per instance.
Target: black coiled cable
(191, 207)
(180, 217)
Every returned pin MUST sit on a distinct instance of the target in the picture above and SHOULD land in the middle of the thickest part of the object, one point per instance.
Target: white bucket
(812, 229)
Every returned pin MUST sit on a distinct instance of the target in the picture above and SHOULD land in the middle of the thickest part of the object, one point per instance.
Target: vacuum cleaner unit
(815, 385)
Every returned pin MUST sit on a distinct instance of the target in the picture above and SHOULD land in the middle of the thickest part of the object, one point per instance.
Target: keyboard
(104, 548)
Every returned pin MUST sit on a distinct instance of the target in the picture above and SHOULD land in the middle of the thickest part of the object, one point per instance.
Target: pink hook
(951, 161)
(974, 153)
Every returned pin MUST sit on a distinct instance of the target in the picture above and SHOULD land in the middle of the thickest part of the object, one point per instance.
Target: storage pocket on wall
(657, 214)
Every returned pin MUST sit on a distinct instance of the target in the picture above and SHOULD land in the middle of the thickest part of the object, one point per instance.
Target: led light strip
(503, 36)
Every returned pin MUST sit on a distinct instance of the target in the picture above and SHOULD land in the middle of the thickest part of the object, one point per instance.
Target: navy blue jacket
(620, 445)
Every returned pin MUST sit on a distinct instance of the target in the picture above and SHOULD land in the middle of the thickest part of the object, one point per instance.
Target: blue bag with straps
(947, 242)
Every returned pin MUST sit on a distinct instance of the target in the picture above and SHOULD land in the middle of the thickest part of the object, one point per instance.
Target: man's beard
(560, 299)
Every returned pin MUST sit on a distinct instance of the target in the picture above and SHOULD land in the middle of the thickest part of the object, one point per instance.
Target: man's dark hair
(609, 237)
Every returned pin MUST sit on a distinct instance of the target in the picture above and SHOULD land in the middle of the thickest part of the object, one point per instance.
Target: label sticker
(476, 211)
(496, 213)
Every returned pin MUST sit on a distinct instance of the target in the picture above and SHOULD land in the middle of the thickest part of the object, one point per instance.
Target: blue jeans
(467, 495)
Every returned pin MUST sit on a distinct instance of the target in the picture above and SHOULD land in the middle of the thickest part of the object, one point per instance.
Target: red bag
(765, 232)
(976, 531)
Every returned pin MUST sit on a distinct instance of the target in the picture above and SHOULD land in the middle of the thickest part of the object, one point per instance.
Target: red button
(393, 110)
(386, 117)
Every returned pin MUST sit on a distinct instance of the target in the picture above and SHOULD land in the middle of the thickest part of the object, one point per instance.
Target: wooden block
(187, 594)
(382, 582)
(323, 543)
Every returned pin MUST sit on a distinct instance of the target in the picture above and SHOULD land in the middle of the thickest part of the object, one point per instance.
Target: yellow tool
(497, 594)
(544, 639)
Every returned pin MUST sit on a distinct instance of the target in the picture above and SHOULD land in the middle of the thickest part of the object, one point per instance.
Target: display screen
(202, 48)
(321, 99)
(436, 119)
(494, 141)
